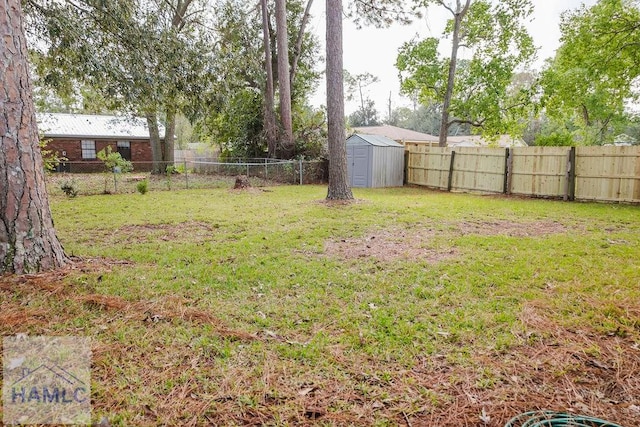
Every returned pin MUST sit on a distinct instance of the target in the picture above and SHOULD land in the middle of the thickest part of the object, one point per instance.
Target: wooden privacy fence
(609, 174)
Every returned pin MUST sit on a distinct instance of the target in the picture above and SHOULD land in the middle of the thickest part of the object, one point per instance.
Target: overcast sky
(375, 50)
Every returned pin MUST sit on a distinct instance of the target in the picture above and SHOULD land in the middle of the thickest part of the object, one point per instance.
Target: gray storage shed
(374, 161)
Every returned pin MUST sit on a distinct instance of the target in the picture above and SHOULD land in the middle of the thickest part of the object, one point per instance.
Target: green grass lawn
(408, 307)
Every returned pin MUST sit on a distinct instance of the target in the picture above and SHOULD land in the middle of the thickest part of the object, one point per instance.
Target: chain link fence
(85, 178)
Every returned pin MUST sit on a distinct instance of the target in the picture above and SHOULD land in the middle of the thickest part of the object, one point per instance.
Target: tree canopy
(148, 57)
(593, 77)
(476, 90)
(234, 112)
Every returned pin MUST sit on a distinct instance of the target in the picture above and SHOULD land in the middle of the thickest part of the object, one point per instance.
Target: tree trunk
(156, 144)
(286, 138)
(455, 44)
(169, 139)
(180, 12)
(28, 242)
(338, 180)
(270, 129)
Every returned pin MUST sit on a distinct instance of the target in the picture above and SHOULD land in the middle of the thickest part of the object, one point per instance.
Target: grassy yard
(407, 307)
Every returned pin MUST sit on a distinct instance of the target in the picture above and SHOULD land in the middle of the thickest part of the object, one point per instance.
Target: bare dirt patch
(340, 202)
(390, 245)
(191, 230)
(416, 244)
(249, 190)
(510, 228)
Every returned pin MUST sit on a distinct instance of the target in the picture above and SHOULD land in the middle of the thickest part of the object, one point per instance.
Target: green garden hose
(556, 419)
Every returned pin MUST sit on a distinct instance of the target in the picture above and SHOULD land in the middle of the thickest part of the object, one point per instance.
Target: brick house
(79, 137)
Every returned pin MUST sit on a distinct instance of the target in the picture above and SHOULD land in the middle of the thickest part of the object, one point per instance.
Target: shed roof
(376, 140)
(64, 125)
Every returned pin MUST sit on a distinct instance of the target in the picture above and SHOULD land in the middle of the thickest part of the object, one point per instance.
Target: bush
(113, 159)
(143, 186)
(69, 188)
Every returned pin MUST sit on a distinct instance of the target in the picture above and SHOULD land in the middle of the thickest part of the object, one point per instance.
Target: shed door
(358, 165)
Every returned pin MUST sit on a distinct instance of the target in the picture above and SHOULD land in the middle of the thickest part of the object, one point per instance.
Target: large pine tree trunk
(338, 180)
(270, 129)
(282, 35)
(28, 241)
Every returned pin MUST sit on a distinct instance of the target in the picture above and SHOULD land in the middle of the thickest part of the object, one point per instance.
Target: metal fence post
(301, 180)
(266, 169)
(186, 173)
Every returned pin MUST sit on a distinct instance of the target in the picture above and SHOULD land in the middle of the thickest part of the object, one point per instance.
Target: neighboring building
(503, 141)
(374, 161)
(79, 137)
(624, 140)
(404, 136)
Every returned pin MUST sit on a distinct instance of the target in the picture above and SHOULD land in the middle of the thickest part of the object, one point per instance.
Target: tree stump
(242, 182)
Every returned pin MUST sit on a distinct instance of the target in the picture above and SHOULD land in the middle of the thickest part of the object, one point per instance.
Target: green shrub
(113, 159)
(69, 188)
(51, 159)
(143, 186)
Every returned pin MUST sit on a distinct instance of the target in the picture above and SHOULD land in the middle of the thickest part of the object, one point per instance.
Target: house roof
(376, 140)
(396, 133)
(87, 126)
(503, 141)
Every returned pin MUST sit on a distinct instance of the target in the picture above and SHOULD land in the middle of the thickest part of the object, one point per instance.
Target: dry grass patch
(16, 312)
(416, 244)
(510, 228)
(190, 230)
(390, 245)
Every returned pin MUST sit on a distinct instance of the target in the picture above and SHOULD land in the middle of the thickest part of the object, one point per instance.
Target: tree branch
(300, 39)
(474, 123)
(178, 22)
(443, 4)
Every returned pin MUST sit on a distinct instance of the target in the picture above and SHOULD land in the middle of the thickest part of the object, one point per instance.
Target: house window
(124, 148)
(88, 149)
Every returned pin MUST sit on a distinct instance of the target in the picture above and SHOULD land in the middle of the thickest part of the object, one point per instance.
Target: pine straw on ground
(552, 367)
(54, 285)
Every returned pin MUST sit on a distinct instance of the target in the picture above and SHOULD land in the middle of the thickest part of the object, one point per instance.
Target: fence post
(507, 155)
(266, 170)
(570, 181)
(301, 179)
(450, 181)
(509, 173)
(406, 167)
(186, 173)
